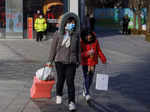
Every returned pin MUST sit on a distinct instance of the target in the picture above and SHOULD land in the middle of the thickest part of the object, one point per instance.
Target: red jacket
(91, 61)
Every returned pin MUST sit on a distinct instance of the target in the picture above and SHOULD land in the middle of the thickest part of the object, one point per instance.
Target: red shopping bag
(41, 89)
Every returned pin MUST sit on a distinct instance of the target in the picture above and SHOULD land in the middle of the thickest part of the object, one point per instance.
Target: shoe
(88, 97)
(83, 93)
(72, 106)
(58, 99)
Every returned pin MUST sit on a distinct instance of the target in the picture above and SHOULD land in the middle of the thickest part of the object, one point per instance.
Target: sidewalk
(129, 72)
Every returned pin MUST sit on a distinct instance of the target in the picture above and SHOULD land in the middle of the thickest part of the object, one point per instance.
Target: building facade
(14, 15)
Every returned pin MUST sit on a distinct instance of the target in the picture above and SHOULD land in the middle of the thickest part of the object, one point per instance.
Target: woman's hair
(69, 20)
(85, 33)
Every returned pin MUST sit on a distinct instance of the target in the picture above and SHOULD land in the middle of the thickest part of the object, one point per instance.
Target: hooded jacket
(59, 53)
(85, 46)
(86, 60)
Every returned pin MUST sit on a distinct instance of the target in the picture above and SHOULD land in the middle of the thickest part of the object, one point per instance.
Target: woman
(65, 52)
(90, 51)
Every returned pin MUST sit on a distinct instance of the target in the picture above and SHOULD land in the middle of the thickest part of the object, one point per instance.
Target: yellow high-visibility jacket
(40, 24)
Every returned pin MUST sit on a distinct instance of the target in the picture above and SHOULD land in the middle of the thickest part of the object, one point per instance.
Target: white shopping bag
(102, 82)
(44, 73)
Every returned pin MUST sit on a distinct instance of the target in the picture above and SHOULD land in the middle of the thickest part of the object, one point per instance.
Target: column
(74, 6)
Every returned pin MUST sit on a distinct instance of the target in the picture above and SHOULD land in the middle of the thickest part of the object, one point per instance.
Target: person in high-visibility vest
(40, 26)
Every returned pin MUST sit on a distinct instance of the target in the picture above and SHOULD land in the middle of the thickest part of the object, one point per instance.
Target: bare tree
(136, 6)
(148, 15)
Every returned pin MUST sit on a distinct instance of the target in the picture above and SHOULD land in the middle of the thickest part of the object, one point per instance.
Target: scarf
(66, 40)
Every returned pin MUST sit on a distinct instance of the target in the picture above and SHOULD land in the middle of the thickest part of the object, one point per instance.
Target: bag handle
(48, 65)
(106, 68)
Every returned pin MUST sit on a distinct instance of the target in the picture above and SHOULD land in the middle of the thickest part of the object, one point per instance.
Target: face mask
(70, 26)
(41, 16)
(38, 12)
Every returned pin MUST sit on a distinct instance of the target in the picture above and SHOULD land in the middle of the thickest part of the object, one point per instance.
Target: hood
(63, 20)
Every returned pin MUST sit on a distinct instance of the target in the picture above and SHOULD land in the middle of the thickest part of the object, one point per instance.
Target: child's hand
(91, 52)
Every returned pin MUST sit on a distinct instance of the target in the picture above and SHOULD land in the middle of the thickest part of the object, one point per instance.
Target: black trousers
(66, 72)
(125, 29)
(39, 36)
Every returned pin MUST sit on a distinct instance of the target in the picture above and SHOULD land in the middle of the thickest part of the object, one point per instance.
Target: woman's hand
(48, 64)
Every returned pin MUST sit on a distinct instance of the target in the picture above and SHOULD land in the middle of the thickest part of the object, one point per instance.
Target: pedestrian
(50, 15)
(87, 22)
(40, 26)
(65, 52)
(36, 15)
(90, 51)
(126, 21)
(92, 22)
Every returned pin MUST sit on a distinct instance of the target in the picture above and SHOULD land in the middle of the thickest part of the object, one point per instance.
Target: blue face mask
(70, 26)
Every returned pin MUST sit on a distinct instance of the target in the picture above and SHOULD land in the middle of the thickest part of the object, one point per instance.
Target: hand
(91, 52)
(48, 64)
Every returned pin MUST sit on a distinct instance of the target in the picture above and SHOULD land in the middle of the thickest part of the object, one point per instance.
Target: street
(128, 67)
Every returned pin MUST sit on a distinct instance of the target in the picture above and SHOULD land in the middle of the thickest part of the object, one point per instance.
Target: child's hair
(85, 33)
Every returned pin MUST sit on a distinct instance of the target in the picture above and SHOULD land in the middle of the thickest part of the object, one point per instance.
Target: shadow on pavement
(18, 70)
(134, 85)
(46, 105)
(106, 32)
(97, 107)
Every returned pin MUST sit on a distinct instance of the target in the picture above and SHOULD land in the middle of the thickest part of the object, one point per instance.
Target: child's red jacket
(86, 59)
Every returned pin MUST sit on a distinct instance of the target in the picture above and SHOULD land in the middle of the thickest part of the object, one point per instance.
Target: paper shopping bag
(41, 89)
(102, 82)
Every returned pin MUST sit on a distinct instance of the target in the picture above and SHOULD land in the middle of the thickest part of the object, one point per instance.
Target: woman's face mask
(70, 26)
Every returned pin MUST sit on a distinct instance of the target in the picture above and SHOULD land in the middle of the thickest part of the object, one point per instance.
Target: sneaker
(88, 97)
(72, 106)
(83, 93)
(58, 99)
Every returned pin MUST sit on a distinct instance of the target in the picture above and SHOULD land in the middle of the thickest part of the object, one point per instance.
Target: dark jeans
(125, 29)
(39, 36)
(66, 72)
(88, 79)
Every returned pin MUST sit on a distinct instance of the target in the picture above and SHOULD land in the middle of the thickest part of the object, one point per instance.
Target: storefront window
(52, 10)
(14, 15)
(14, 18)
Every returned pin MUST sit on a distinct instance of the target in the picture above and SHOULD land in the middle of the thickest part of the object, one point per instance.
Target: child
(90, 50)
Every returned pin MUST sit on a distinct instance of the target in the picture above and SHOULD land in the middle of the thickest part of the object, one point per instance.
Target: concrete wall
(74, 6)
